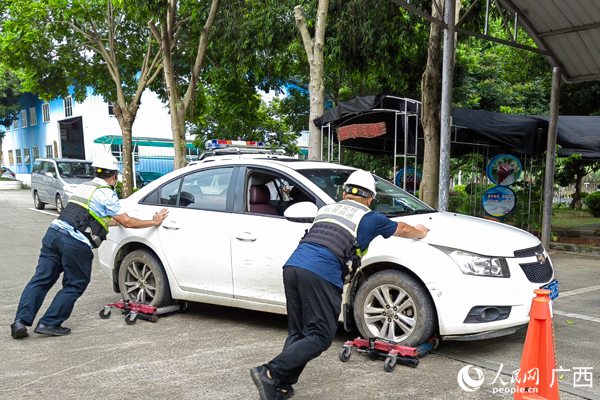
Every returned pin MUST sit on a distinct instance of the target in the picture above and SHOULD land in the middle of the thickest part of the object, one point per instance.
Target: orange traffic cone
(537, 376)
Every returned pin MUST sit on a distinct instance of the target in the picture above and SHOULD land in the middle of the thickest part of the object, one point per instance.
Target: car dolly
(133, 311)
(392, 353)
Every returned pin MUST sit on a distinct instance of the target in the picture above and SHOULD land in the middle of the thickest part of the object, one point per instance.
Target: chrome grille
(538, 272)
(530, 252)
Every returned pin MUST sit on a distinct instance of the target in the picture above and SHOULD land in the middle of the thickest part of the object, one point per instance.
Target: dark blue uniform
(313, 289)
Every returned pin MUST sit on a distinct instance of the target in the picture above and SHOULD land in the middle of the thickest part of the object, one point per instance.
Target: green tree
(571, 171)
(10, 91)
(102, 44)
(181, 27)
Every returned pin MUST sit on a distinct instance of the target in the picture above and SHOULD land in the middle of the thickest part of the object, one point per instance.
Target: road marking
(44, 212)
(579, 291)
(573, 315)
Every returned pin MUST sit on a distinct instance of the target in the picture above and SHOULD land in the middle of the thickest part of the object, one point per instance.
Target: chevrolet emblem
(540, 257)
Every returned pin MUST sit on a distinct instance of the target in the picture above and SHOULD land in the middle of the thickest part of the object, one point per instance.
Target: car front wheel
(142, 279)
(59, 204)
(37, 203)
(394, 306)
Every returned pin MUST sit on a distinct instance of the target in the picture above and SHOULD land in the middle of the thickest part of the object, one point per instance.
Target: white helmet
(106, 162)
(362, 180)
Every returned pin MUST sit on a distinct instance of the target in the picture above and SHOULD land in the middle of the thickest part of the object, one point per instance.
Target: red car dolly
(133, 310)
(392, 353)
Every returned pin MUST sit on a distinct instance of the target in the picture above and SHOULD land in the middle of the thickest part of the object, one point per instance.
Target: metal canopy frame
(405, 114)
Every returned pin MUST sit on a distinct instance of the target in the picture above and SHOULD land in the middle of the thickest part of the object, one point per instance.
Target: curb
(11, 185)
(575, 248)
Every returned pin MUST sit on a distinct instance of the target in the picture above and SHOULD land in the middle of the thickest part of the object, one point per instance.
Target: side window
(206, 190)
(36, 167)
(51, 168)
(169, 192)
(152, 198)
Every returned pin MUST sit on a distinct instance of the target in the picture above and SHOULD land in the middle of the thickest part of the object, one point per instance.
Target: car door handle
(245, 237)
(172, 225)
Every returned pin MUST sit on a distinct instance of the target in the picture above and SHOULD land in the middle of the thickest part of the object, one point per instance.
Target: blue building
(67, 129)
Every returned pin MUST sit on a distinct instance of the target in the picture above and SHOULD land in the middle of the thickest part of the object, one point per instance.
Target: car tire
(59, 204)
(393, 305)
(142, 279)
(37, 203)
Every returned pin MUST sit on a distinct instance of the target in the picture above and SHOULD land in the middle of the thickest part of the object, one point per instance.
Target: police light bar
(215, 144)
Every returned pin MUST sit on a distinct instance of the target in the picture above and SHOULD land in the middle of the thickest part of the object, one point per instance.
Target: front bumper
(456, 296)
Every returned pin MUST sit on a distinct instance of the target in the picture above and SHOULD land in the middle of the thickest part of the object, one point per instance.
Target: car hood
(472, 234)
(75, 181)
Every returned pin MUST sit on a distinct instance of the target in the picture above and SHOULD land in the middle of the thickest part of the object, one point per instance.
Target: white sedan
(226, 240)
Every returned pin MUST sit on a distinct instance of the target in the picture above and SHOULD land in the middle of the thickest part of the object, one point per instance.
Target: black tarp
(506, 133)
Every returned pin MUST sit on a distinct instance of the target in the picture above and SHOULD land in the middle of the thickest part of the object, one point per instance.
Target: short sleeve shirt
(323, 262)
(104, 203)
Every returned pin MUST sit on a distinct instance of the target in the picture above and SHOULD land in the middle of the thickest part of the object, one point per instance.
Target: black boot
(53, 330)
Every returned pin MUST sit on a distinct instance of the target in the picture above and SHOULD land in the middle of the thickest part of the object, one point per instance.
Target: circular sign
(411, 177)
(499, 201)
(504, 169)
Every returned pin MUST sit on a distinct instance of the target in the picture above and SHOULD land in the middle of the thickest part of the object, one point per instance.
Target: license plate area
(553, 288)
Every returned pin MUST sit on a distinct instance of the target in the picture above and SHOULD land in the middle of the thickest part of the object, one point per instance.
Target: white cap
(106, 161)
(362, 179)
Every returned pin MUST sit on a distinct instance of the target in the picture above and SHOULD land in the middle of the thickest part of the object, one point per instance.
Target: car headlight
(475, 264)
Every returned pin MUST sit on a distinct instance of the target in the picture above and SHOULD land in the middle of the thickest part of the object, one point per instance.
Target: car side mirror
(50, 175)
(304, 211)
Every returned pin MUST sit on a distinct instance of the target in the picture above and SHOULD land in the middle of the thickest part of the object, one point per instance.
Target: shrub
(592, 200)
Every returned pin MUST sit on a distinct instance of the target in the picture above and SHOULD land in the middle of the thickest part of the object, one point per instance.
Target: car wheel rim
(390, 313)
(36, 200)
(59, 206)
(140, 282)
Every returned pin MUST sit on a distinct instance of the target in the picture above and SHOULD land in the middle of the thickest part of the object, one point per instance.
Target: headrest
(298, 195)
(259, 194)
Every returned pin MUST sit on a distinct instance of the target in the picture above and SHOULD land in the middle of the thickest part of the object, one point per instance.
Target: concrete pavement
(207, 352)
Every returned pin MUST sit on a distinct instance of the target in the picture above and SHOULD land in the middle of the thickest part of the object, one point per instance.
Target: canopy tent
(505, 133)
(140, 141)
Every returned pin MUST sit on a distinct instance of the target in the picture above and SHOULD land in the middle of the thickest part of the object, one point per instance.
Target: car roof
(255, 159)
(63, 160)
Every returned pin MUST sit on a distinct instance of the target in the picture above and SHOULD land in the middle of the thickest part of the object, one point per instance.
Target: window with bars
(32, 116)
(110, 108)
(36, 153)
(49, 153)
(26, 157)
(18, 155)
(11, 160)
(46, 112)
(15, 124)
(23, 118)
(68, 102)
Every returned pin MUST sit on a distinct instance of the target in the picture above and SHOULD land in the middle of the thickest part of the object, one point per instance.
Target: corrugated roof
(568, 29)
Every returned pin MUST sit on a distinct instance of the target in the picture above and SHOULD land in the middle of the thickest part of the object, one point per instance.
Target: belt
(61, 230)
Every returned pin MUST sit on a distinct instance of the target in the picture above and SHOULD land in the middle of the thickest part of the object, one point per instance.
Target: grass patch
(565, 219)
(6, 179)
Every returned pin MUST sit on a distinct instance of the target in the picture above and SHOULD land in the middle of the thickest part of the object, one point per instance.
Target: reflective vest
(78, 214)
(336, 227)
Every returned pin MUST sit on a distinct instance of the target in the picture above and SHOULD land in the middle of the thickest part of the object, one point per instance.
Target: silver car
(7, 173)
(53, 180)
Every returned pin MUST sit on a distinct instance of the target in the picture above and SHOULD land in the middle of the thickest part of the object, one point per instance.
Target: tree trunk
(126, 117)
(576, 203)
(316, 88)
(430, 116)
(177, 105)
(1, 154)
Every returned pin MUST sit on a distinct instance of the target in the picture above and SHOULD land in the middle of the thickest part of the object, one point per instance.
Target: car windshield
(75, 169)
(390, 200)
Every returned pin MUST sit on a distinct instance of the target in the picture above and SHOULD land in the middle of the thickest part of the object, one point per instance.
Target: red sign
(361, 131)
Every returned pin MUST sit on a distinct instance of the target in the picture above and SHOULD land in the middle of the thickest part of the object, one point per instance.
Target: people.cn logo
(467, 383)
